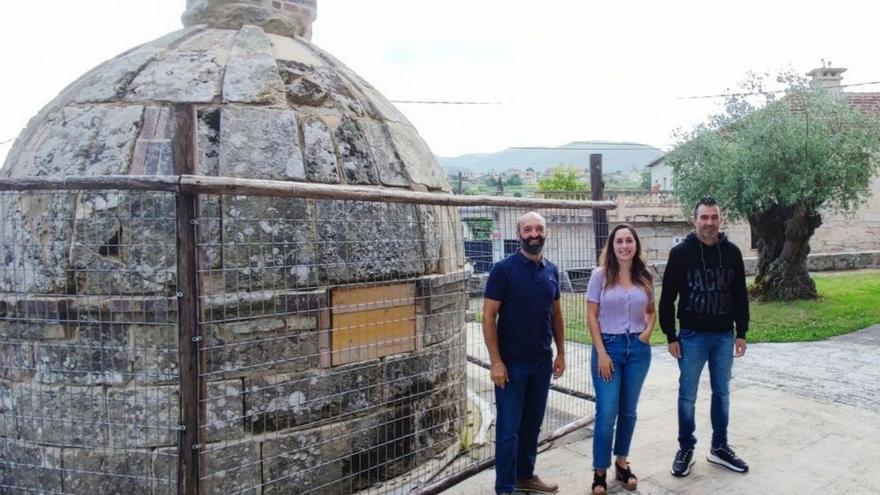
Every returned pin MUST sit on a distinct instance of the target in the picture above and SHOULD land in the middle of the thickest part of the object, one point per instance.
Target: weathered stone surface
(88, 472)
(28, 266)
(154, 354)
(845, 261)
(279, 348)
(165, 466)
(143, 417)
(420, 162)
(260, 143)
(319, 151)
(208, 135)
(97, 355)
(251, 304)
(233, 468)
(27, 468)
(35, 331)
(417, 374)
(124, 243)
(93, 140)
(354, 154)
(8, 412)
(66, 416)
(278, 402)
(334, 459)
(268, 243)
(368, 241)
(432, 240)
(251, 74)
(109, 80)
(225, 410)
(445, 307)
(17, 361)
(190, 72)
(392, 172)
(318, 85)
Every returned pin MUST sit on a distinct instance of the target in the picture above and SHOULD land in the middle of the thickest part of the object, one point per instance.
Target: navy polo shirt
(525, 320)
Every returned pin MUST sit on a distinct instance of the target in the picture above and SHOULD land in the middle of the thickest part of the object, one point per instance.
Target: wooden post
(597, 192)
(191, 438)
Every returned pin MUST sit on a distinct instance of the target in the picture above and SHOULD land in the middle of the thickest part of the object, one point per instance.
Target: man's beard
(532, 248)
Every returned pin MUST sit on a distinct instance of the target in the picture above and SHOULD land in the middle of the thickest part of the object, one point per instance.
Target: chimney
(284, 17)
(827, 77)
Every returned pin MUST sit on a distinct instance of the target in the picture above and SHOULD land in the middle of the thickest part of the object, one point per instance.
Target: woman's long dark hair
(639, 272)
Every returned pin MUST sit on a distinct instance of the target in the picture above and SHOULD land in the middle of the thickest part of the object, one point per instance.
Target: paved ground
(805, 416)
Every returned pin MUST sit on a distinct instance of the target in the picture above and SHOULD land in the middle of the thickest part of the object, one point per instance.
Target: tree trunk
(783, 245)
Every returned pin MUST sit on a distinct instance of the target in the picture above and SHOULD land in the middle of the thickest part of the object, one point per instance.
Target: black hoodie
(710, 283)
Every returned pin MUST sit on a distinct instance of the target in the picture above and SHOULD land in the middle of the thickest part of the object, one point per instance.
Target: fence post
(597, 192)
(190, 439)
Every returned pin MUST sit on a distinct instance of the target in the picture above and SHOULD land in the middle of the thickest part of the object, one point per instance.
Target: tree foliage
(514, 180)
(808, 147)
(562, 178)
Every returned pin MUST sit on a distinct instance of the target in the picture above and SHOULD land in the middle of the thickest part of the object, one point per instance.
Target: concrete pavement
(805, 416)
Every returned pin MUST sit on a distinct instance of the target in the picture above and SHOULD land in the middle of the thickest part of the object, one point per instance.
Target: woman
(620, 314)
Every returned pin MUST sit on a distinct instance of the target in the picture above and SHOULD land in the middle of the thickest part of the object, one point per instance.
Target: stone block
(420, 163)
(278, 402)
(17, 363)
(189, 73)
(224, 410)
(35, 330)
(320, 154)
(8, 412)
(355, 160)
(260, 143)
(364, 241)
(165, 466)
(251, 75)
(89, 471)
(64, 416)
(278, 349)
(332, 460)
(268, 244)
(318, 85)
(154, 354)
(144, 417)
(392, 171)
(97, 355)
(247, 305)
(419, 373)
(820, 262)
(751, 266)
(233, 468)
(29, 468)
(35, 267)
(430, 218)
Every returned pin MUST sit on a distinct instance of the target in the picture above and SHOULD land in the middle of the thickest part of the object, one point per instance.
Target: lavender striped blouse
(620, 310)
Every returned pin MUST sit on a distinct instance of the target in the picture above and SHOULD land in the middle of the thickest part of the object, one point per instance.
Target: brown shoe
(537, 485)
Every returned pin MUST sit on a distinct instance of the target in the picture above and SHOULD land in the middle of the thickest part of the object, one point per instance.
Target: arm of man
(559, 338)
(497, 369)
(670, 289)
(741, 307)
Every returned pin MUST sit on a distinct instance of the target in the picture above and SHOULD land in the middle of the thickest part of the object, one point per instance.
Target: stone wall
(819, 262)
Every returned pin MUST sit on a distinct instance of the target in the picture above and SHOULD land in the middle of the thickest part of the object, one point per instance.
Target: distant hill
(616, 156)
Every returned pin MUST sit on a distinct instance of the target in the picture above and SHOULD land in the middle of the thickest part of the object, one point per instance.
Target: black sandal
(624, 475)
(599, 480)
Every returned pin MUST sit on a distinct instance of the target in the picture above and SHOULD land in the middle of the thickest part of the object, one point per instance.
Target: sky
(559, 70)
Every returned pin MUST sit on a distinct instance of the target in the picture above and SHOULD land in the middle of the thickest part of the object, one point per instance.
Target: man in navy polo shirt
(522, 292)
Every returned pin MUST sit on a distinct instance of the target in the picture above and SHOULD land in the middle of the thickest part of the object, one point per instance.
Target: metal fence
(234, 336)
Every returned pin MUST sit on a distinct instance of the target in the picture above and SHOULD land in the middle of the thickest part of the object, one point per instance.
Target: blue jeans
(696, 349)
(520, 408)
(617, 399)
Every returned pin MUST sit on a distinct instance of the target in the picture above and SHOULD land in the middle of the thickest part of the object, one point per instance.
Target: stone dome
(246, 93)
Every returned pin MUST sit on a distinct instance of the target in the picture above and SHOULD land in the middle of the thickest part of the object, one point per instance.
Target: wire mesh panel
(343, 349)
(88, 342)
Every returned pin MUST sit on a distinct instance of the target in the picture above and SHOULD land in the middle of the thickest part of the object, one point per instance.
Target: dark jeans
(697, 348)
(520, 408)
(618, 398)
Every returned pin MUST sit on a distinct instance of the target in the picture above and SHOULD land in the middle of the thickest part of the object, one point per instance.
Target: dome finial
(284, 17)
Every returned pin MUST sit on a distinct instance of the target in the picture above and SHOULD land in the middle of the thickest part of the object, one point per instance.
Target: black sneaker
(725, 456)
(684, 459)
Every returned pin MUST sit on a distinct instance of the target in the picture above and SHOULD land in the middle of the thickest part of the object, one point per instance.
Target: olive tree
(780, 160)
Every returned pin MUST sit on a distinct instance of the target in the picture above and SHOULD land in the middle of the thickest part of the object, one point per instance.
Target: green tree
(562, 178)
(779, 163)
(645, 179)
(514, 180)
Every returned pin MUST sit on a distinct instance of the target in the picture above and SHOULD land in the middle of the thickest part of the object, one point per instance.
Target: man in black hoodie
(706, 274)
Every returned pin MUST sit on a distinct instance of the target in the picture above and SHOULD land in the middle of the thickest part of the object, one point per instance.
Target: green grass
(848, 301)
